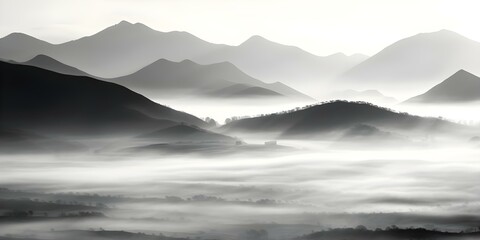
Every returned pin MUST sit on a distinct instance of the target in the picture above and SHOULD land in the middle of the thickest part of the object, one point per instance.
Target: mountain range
(124, 48)
(270, 61)
(460, 87)
(186, 78)
(414, 64)
(165, 78)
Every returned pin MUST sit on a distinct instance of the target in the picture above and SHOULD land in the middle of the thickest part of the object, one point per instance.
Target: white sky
(321, 27)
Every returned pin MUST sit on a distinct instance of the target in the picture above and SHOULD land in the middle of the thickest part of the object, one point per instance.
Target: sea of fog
(297, 188)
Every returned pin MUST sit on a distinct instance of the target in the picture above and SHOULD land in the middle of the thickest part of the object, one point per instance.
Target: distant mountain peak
(22, 36)
(126, 25)
(462, 71)
(463, 76)
(188, 61)
(256, 39)
(124, 22)
(52, 64)
(462, 86)
(443, 33)
(42, 57)
(17, 34)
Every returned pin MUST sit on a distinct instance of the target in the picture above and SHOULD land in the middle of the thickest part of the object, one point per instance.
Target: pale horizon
(320, 27)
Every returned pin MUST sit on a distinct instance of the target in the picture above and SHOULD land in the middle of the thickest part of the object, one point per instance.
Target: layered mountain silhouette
(46, 62)
(460, 87)
(417, 61)
(46, 102)
(336, 117)
(115, 51)
(125, 48)
(270, 61)
(167, 78)
(21, 47)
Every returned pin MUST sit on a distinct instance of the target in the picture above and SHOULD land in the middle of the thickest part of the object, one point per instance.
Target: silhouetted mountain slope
(335, 117)
(43, 101)
(48, 63)
(18, 141)
(188, 78)
(187, 133)
(361, 233)
(417, 61)
(460, 87)
(271, 61)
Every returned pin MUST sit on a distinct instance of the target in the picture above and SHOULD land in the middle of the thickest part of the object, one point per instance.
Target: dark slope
(187, 133)
(40, 100)
(188, 78)
(420, 60)
(48, 63)
(391, 233)
(460, 87)
(332, 117)
(17, 141)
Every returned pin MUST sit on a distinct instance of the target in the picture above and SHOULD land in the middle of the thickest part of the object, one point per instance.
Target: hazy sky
(321, 27)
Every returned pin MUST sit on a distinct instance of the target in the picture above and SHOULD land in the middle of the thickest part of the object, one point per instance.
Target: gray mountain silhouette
(272, 61)
(167, 78)
(22, 47)
(115, 51)
(460, 87)
(48, 63)
(414, 64)
(125, 48)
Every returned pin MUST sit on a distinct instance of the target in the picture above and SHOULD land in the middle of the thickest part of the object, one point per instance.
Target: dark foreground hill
(38, 100)
(391, 233)
(336, 117)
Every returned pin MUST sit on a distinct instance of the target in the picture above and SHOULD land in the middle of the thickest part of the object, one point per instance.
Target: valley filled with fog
(135, 133)
(425, 185)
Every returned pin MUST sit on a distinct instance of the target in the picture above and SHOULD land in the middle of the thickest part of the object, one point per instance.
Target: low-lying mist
(317, 184)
